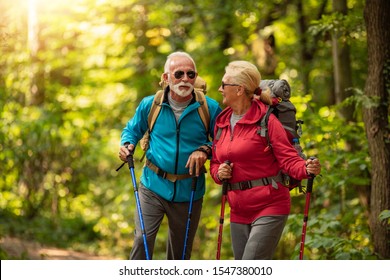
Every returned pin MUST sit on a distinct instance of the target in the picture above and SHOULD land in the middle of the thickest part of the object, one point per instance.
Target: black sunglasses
(224, 85)
(180, 74)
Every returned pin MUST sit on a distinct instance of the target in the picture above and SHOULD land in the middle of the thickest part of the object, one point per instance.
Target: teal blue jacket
(171, 143)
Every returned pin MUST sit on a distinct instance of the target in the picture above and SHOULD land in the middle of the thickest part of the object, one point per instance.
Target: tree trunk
(308, 47)
(376, 15)
(342, 65)
(342, 73)
(36, 72)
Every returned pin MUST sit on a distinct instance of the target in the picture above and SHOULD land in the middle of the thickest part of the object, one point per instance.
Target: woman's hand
(313, 166)
(224, 171)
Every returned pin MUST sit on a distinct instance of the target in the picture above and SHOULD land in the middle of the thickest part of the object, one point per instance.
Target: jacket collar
(253, 115)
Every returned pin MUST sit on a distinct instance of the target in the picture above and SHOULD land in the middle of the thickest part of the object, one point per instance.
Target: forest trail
(17, 248)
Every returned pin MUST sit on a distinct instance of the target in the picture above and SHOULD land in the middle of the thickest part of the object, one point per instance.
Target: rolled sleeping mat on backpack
(200, 85)
(279, 88)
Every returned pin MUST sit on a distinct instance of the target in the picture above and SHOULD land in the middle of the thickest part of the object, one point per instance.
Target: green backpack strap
(203, 110)
(154, 111)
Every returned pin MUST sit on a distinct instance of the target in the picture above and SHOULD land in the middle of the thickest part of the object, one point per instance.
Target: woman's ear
(240, 90)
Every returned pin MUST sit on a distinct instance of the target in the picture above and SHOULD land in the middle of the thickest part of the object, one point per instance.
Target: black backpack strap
(218, 134)
(263, 130)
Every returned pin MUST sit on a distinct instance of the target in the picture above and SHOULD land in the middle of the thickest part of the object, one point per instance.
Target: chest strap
(245, 185)
(165, 175)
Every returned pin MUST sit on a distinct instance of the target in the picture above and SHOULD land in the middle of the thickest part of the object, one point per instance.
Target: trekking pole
(193, 188)
(130, 162)
(306, 213)
(222, 216)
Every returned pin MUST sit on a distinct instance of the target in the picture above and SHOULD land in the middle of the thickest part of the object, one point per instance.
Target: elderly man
(178, 148)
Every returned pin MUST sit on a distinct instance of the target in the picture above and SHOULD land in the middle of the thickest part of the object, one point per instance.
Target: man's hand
(124, 151)
(196, 161)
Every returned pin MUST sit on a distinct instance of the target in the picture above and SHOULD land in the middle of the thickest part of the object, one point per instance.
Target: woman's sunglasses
(223, 85)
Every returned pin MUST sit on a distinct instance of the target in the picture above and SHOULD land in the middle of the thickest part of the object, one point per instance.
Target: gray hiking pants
(154, 208)
(257, 241)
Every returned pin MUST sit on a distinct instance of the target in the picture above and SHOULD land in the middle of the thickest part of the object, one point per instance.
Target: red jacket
(246, 150)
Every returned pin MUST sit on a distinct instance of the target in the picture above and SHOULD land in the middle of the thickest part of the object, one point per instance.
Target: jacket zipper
(177, 157)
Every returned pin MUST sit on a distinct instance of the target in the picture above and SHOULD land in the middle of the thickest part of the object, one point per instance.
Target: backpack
(285, 111)
(200, 87)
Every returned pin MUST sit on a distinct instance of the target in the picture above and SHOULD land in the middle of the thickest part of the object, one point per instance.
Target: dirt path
(22, 249)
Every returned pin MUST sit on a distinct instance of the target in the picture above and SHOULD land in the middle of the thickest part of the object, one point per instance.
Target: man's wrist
(205, 149)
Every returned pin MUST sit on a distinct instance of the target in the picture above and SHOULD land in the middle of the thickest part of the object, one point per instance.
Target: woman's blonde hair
(247, 75)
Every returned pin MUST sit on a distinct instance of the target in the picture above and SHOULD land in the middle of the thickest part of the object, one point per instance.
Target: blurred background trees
(72, 73)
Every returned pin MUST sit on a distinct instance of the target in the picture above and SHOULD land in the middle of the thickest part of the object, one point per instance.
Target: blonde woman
(259, 202)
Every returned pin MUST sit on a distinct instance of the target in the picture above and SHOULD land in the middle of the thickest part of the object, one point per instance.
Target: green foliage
(3, 255)
(351, 243)
(348, 27)
(385, 215)
(97, 59)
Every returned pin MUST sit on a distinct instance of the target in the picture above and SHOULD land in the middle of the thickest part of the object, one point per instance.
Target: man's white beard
(182, 93)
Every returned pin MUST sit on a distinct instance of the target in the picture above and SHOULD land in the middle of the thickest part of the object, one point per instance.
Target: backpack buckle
(245, 185)
(162, 173)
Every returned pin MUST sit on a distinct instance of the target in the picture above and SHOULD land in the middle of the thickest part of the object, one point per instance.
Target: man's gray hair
(175, 54)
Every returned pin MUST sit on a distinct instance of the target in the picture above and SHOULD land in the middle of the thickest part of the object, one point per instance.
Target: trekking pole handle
(225, 182)
(130, 158)
(310, 180)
